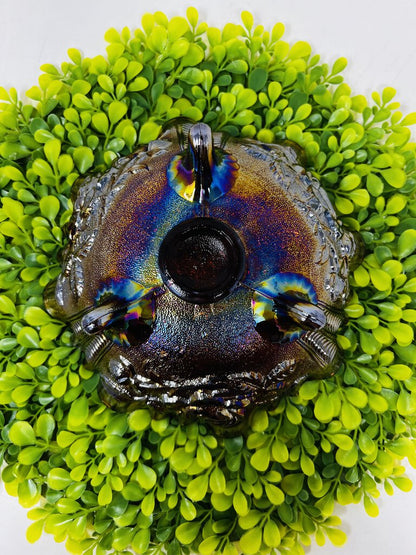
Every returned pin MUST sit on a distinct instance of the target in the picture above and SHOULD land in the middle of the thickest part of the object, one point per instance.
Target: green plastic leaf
(49, 207)
(187, 509)
(59, 479)
(149, 131)
(250, 542)
(6, 305)
(339, 65)
(338, 117)
(100, 122)
(347, 458)
(217, 481)
(350, 416)
(105, 495)
(394, 177)
(139, 420)
(197, 488)
(83, 158)
(116, 111)
(59, 386)
(344, 495)
(13, 209)
(380, 279)
(403, 333)
(22, 433)
(275, 494)
(403, 483)
(324, 409)
(240, 503)
(34, 531)
(28, 493)
(192, 76)
(238, 67)
(300, 49)
(52, 149)
(28, 337)
(36, 316)
(271, 534)
(356, 397)
(407, 243)
(45, 426)
(78, 413)
(337, 537)
(395, 204)
(292, 483)
(370, 506)
(208, 545)
(148, 504)
(141, 540)
(203, 456)
(106, 83)
(113, 445)
(146, 476)
(187, 532)
(257, 79)
(260, 459)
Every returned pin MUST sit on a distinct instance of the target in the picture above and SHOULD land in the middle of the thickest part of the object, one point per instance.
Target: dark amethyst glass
(204, 278)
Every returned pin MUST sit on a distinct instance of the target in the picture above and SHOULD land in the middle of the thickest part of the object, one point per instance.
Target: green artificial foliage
(109, 482)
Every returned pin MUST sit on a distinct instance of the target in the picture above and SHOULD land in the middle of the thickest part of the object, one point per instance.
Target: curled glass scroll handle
(286, 308)
(202, 172)
(124, 311)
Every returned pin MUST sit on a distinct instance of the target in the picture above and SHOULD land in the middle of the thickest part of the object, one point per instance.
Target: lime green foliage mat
(117, 483)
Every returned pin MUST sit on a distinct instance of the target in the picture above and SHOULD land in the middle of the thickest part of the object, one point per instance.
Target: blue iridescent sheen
(123, 289)
(125, 302)
(182, 180)
(204, 275)
(284, 285)
(288, 282)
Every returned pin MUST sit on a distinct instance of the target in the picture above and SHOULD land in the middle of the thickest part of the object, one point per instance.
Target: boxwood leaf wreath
(109, 482)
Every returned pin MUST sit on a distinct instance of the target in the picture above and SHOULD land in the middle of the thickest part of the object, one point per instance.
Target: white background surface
(378, 38)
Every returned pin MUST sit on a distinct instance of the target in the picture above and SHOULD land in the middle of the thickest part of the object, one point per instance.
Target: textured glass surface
(204, 277)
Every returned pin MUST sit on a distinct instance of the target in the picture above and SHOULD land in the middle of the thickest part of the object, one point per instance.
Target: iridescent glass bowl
(204, 275)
